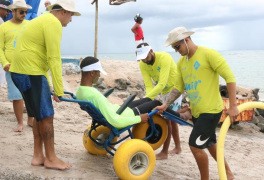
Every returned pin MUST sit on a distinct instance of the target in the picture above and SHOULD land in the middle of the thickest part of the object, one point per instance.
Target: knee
(157, 102)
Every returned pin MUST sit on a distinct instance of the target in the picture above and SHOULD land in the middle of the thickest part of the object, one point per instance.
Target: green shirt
(8, 34)
(38, 50)
(108, 109)
(199, 76)
(159, 77)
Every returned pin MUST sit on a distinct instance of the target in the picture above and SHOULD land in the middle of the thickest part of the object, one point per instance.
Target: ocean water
(247, 66)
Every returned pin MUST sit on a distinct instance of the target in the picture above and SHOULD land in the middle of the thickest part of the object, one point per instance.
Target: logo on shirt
(200, 142)
(196, 65)
(158, 68)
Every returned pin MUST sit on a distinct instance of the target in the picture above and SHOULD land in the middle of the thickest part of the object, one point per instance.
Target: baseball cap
(142, 51)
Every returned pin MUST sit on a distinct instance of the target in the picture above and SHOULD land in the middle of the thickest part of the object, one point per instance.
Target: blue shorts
(12, 91)
(36, 94)
(203, 133)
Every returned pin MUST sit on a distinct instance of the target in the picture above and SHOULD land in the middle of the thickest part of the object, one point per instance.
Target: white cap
(94, 67)
(142, 52)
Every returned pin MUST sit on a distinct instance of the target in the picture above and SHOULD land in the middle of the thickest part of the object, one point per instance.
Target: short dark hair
(56, 7)
(142, 44)
(88, 61)
(139, 19)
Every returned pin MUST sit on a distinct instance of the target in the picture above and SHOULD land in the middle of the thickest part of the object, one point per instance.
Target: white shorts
(2, 76)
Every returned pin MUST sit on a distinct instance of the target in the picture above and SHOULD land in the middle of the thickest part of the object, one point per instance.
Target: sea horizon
(247, 65)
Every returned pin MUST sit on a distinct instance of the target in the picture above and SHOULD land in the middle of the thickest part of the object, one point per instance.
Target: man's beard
(151, 62)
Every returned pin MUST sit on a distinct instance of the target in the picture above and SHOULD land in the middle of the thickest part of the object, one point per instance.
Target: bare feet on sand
(56, 164)
(38, 161)
(19, 128)
(175, 151)
(161, 156)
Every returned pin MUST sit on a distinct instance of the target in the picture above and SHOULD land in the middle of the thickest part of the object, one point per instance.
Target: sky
(218, 24)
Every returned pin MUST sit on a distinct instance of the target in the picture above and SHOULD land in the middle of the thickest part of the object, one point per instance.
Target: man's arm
(232, 110)
(3, 59)
(133, 29)
(147, 79)
(220, 65)
(174, 94)
(164, 76)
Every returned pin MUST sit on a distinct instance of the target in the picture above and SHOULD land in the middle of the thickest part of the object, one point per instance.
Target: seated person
(135, 113)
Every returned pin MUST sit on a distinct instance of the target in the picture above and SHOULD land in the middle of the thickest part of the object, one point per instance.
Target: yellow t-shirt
(38, 50)
(199, 76)
(159, 78)
(108, 109)
(8, 34)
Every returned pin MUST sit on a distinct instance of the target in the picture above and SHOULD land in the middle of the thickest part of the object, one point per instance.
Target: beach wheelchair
(134, 158)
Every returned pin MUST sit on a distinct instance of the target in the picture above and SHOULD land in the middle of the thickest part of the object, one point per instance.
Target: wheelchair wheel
(101, 134)
(142, 130)
(134, 159)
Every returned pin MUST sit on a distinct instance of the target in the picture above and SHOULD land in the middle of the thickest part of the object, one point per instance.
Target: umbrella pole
(96, 29)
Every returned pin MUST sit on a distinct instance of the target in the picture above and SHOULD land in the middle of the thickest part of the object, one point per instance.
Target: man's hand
(233, 113)
(144, 117)
(7, 67)
(162, 108)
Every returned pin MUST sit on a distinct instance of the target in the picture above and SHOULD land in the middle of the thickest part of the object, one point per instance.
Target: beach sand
(243, 148)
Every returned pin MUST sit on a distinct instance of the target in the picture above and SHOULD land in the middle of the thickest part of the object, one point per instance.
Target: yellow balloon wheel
(101, 134)
(134, 159)
(222, 136)
(142, 130)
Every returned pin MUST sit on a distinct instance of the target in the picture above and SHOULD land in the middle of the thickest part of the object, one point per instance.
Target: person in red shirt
(137, 29)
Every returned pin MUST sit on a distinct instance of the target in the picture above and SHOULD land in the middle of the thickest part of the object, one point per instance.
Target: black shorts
(203, 133)
(145, 105)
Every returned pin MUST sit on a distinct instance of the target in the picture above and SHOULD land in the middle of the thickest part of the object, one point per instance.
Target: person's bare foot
(38, 161)
(161, 156)
(175, 151)
(56, 164)
(30, 121)
(19, 128)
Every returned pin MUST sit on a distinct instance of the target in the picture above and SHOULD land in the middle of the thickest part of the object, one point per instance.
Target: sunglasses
(177, 47)
(21, 12)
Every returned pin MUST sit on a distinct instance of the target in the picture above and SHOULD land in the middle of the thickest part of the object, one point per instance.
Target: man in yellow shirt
(37, 51)
(8, 34)
(4, 11)
(198, 74)
(159, 72)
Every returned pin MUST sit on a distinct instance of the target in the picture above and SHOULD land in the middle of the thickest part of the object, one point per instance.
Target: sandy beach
(243, 148)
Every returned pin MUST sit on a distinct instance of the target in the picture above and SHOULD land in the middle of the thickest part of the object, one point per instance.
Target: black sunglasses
(177, 47)
(21, 12)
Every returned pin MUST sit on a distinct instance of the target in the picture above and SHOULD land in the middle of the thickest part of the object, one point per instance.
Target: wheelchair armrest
(126, 103)
(108, 92)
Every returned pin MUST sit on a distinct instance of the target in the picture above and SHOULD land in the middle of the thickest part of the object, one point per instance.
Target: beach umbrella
(111, 2)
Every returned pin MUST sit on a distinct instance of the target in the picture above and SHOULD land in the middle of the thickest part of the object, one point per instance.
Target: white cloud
(219, 24)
